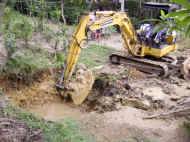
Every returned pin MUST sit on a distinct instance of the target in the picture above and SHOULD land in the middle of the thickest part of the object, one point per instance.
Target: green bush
(22, 28)
(72, 14)
(44, 9)
(17, 25)
(23, 64)
(133, 8)
(187, 127)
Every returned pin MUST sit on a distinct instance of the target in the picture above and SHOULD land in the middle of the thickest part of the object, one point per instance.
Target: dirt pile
(118, 86)
(181, 109)
(38, 93)
(112, 90)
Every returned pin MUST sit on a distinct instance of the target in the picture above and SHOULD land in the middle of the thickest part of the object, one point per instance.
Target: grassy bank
(95, 55)
(65, 131)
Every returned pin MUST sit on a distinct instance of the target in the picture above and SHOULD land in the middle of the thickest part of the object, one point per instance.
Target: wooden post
(122, 5)
(62, 11)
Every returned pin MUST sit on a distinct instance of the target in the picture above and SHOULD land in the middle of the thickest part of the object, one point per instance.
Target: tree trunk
(2, 7)
(62, 11)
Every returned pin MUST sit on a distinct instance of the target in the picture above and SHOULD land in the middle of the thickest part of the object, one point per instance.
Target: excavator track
(142, 64)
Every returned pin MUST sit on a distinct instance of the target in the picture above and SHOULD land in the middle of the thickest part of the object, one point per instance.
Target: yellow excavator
(141, 55)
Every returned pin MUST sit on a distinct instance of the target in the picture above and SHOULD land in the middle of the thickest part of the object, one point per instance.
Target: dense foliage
(181, 17)
(73, 9)
(50, 9)
(15, 26)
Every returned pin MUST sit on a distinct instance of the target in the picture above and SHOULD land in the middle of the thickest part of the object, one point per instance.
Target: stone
(155, 94)
(175, 98)
(80, 87)
(188, 87)
(137, 103)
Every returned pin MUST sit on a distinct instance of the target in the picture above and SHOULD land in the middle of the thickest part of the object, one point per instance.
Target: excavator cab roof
(161, 6)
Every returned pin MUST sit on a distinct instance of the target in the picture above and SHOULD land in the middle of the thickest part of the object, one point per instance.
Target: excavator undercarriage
(162, 67)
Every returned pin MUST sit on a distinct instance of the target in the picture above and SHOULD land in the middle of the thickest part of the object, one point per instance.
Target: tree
(62, 11)
(181, 17)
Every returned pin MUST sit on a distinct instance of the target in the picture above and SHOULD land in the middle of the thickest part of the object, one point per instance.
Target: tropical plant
(181, 17)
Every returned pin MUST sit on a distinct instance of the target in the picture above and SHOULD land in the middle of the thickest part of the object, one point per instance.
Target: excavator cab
(160, 39)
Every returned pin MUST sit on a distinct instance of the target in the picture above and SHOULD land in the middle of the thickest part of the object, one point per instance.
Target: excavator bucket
(80, 86)
(185, 70)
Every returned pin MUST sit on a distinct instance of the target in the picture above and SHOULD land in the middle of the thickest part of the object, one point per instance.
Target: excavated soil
(38, 92)
(112, 89)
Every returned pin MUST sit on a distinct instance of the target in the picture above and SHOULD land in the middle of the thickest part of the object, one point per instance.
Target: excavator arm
(103, 20)
(75, 47)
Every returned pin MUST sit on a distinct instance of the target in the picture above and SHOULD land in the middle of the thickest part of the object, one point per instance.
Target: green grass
(65, 131)
(187, 127)
(95, 55)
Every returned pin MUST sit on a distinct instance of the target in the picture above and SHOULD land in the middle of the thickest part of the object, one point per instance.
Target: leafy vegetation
(16, 26)
(23, 64)
(181, 17)
(187, 127)
(73, 9)
(26, 61)
(50, 9)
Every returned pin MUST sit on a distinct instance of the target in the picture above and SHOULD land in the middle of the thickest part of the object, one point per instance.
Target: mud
(56, 111)
(39, 92)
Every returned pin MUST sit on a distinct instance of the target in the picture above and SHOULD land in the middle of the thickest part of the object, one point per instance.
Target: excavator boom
(104, 19)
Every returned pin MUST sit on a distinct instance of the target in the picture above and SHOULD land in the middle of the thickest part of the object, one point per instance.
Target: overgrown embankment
(21, 126)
